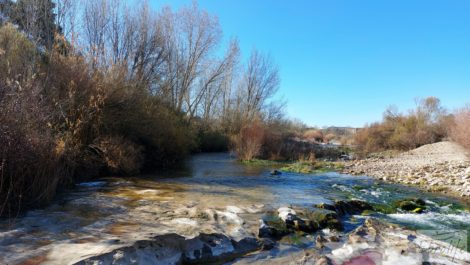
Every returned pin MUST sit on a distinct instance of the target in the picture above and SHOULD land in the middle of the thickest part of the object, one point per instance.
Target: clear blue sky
(343, 62)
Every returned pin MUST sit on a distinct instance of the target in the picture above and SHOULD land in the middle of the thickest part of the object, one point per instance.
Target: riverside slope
(442, 167)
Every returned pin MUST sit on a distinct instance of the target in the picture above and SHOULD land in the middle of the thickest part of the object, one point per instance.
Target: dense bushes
(30, 164)
(461, 129)
(247, 144)
(62, 121)
(426, 124)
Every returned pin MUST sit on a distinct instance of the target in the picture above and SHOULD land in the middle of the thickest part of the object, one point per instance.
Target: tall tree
(260, 82)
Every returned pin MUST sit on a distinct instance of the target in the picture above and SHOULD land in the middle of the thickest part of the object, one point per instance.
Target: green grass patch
(316, 167)
(262, 162)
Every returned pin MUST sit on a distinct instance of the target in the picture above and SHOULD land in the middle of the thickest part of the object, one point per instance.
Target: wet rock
(273, 228)
(288, 221)
(346, 207)
(295, 222)
(247, 245)
(324, 219)
(319, 241)
(325, 206)
(333, 238)
(175, 249)
(415, 205)
(267, 244)
(275, 172)
(384, 208)
(351, 207)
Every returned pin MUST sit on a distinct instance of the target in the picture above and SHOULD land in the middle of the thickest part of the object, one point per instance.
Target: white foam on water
(234, 209)
(432, 219)
(184, 221)
(393, 256)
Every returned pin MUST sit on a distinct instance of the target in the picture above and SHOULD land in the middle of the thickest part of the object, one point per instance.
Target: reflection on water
(210, 193)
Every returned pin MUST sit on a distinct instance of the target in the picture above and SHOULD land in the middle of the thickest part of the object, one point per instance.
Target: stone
(175, 249)
(324, 261)
(267, 244)
(325, 206)
(273, 228)
(333, 238)
(346, 207)
(416, 205)
(351, 207)
(324, 219)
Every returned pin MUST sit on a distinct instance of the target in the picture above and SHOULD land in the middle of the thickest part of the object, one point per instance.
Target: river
(98, 217)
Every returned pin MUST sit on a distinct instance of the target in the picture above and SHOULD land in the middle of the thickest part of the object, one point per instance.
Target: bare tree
(260, 82)
(191, 36)
(96, 20)
(214, 81)
(149, 51)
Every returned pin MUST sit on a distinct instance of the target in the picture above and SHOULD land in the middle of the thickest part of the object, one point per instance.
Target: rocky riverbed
(374, 242)
(441, 167)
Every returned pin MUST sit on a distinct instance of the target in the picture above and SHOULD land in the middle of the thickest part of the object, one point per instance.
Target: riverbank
(442, 167)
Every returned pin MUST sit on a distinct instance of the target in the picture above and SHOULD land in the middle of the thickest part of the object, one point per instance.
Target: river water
(97, 217)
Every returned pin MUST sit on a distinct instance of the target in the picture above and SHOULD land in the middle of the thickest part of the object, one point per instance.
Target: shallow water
(100, 216)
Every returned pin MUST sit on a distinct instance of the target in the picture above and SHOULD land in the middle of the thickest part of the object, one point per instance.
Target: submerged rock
(415, 205)
(347, 207)
(175, 249)
(352, 207)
